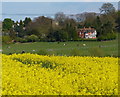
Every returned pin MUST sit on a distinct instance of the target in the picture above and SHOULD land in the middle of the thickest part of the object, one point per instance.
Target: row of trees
(63, 28)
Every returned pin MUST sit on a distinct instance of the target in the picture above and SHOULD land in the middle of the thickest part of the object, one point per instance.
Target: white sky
(59, 0)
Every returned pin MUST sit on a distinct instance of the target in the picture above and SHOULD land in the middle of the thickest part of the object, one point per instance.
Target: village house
(87, 33)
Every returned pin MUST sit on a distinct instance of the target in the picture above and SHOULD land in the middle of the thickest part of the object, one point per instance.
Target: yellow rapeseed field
(32, 74)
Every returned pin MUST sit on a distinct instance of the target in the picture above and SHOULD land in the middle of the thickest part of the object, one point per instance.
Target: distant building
(87, 33)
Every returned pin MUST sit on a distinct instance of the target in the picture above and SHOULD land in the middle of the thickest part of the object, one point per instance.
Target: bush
(23, 40)
(32, 38)
(6, 39)
(18, 39)
(108, 36)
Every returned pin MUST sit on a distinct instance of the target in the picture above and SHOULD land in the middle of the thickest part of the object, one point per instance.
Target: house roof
(86, 29)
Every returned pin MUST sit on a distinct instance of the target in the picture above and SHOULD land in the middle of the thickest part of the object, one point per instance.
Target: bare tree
(60, 17)
(107, 8)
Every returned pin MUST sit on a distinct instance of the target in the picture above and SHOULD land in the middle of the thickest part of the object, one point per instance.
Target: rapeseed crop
(32, 74)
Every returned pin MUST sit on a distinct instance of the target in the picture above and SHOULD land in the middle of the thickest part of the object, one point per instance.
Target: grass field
(102, 48)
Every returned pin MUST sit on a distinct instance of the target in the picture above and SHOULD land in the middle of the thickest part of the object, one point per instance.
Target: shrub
(107, 36)
(21, 40)
(32, 38)
(6, 39)
(18, 39)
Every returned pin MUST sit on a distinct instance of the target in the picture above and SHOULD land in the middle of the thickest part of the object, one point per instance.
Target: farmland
(103, 48)
(32, 74)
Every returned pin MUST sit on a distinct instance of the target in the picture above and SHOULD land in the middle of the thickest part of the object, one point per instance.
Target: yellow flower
(31, 74)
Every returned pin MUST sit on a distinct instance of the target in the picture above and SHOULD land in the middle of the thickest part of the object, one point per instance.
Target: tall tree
(7, 24)
(70, 28)
(107, 8)
(18, 27)
(41, 26)
(60, 17)
(118, 21)
(27, 21)
(98, 25)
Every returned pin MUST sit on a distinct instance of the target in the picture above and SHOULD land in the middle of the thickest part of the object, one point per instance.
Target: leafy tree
(98, 25)
(60, 35)
(41, 26)
(90, 18)
(27, 21)
(18, 27)
(70, 28)
(21, 23)
(118, 21)
(7, 24)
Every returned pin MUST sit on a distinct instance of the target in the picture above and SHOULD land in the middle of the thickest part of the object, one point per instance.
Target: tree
(40, 26)
(27, 21)
(107, 32)
(98, 25)
(18, 27)
(107, 8)
(89, 19)
(118, 21)
(7, 24)
(60, 17)
(70, 28)
(59, 35)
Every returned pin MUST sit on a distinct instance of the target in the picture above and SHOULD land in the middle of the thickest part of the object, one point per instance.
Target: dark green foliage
(118, 21)
(98, 25)
(59, 35)
(32, 38)
(70, 25)
(27, 21)
(107, 36)
(7, 24)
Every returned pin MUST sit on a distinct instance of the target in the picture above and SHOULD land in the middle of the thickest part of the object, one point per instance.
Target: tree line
(62, 27)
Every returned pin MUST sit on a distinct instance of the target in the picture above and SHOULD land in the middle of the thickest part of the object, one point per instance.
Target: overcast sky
(51, 7)
(60, 0)
(35, 7)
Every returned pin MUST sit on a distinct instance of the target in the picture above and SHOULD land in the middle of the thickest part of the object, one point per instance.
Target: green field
(102, 48)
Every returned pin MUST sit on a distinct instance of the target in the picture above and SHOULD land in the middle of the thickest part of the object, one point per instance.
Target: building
(87, 33)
